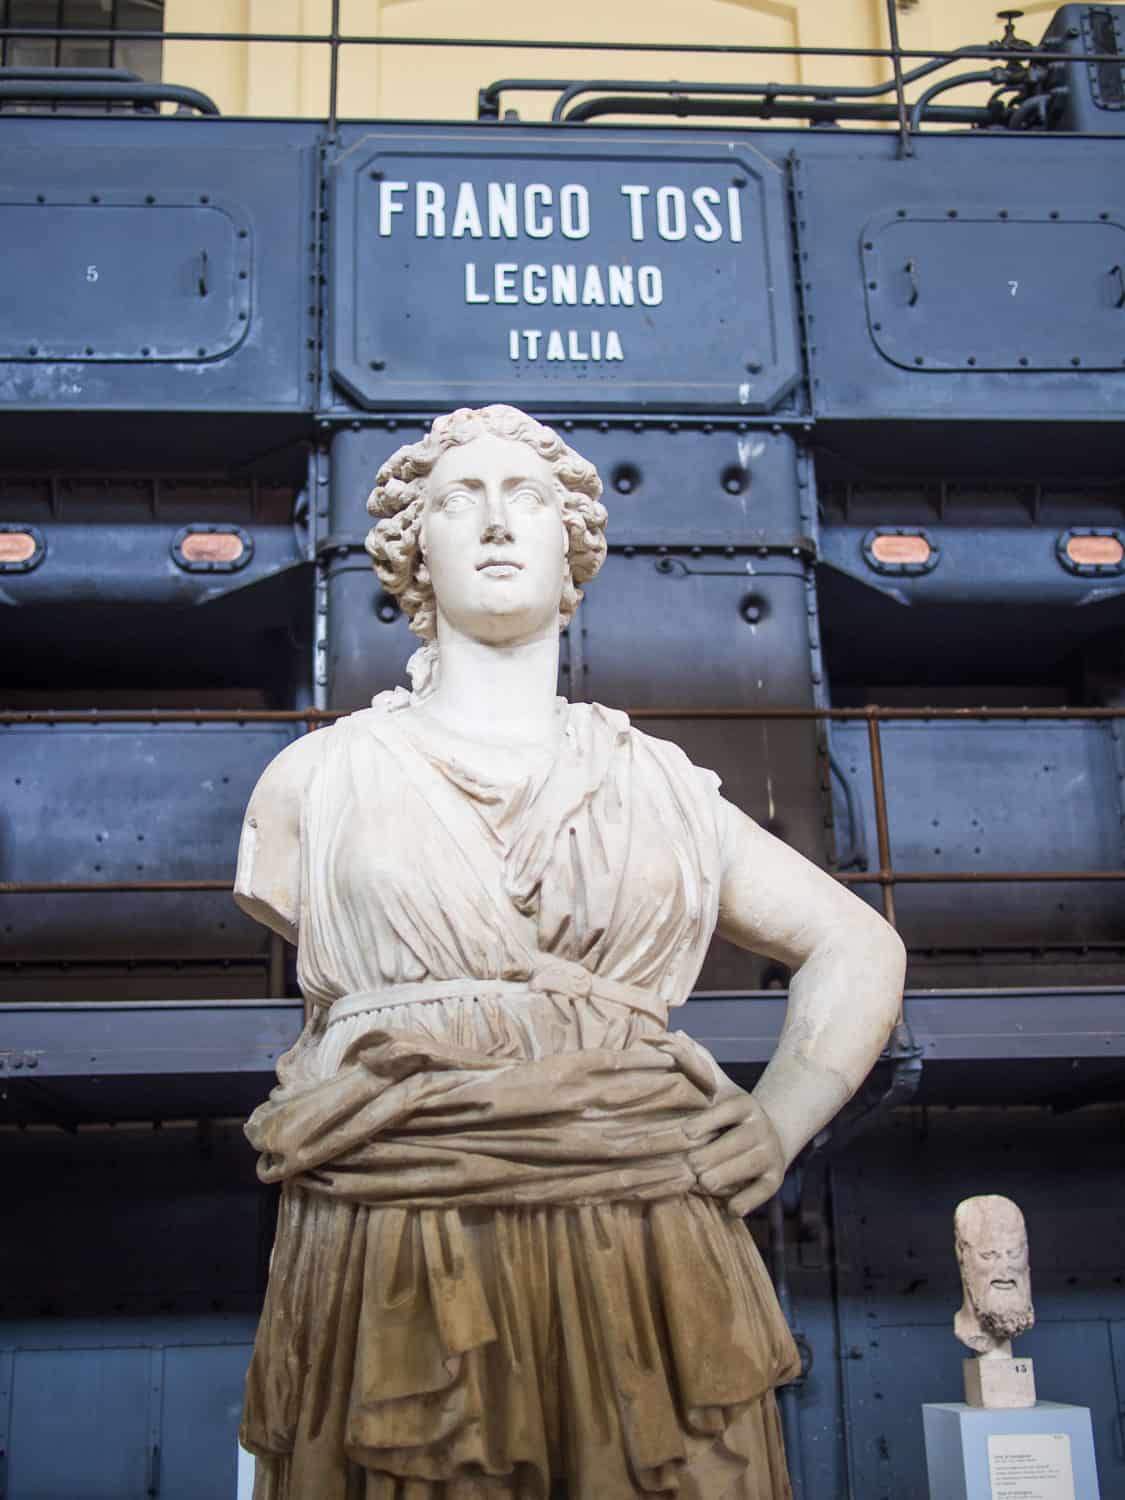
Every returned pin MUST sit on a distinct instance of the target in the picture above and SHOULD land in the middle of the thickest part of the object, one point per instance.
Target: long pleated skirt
(611, 1351)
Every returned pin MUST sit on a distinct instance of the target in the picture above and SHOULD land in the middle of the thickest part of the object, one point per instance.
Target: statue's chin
(503, 619)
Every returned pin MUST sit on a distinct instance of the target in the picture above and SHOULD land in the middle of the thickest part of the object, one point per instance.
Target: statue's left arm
(844, 998)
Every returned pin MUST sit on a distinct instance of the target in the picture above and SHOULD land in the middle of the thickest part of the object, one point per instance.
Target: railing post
(905, 142)
(276, 978)
(879, 785)
(334, 70)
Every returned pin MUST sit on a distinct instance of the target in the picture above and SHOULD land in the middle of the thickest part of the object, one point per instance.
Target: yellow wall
(432, 83)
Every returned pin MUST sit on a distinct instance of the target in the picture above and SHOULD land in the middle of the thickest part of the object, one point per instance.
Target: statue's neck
(503, 693)
(967, 1327)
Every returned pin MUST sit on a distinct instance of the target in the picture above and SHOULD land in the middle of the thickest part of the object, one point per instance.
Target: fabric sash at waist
(410, 1120)
(552, 976)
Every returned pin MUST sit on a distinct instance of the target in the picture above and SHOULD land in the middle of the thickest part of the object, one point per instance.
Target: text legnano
(537, 211)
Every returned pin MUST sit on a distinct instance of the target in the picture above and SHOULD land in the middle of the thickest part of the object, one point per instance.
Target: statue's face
(996, 1273)
(494, 540)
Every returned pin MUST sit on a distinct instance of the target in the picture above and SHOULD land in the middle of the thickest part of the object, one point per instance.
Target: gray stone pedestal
(1041, 1452)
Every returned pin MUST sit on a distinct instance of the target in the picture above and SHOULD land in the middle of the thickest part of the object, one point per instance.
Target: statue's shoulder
(617, 722)
(598, 718)
(267, 879)
(676, 765)
(288, 775)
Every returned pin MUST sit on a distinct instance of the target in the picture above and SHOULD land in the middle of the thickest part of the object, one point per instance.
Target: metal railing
(1008, 52)
(886, 876)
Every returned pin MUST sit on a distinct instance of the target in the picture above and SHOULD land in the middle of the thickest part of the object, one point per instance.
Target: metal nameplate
(604, 274)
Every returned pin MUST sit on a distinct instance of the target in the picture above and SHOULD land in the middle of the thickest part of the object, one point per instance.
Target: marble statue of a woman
(510, 1258)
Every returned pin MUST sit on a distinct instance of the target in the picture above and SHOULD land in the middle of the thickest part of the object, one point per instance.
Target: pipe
(856, 852)
(889, 877)
(92, 75)
(109, 93)
(943, 85)
(816, 110)
(489, 96)
(314, 716)
(525, 44)
(736, 90)
(886, 878)
(1022, 113)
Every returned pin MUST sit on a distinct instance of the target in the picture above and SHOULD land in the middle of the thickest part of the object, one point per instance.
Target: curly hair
(399, 498)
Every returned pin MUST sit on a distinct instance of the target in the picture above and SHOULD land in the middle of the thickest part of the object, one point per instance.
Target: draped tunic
(495, 1272)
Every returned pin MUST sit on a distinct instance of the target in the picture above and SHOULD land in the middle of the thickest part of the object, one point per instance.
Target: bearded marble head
(991, 1242)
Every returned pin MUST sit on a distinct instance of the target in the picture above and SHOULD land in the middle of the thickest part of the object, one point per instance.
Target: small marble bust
(991, 1241)
(992, 1253)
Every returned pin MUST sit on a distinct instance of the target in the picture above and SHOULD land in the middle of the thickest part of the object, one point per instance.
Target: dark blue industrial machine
(857, 397)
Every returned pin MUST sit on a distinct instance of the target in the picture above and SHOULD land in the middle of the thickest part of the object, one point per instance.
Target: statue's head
(991, 1242)
(490, 524)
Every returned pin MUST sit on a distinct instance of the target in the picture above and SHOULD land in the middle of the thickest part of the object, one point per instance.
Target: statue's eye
(457, 500)
(527, 498)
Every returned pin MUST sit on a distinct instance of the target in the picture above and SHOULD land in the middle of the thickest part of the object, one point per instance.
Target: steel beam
(216, 1037)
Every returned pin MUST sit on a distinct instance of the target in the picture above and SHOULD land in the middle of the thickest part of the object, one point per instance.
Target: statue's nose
(496, 531)
(495, 518)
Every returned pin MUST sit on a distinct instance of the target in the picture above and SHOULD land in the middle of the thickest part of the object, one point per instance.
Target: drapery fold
(601, 1342)
(495, 1274)
(421, 1123)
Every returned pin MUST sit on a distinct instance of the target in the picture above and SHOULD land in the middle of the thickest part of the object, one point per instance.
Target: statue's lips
(999, 1284)
(499, 567)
